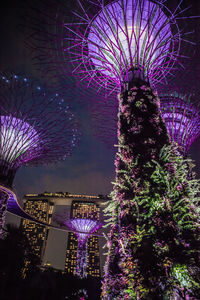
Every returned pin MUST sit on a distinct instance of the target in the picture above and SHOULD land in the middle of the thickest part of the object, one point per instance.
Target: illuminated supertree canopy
(106, 39)
(83, 229)
(129, 34)
(36, 128)
(181, 117)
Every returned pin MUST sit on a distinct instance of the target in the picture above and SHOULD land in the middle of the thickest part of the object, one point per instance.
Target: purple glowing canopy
(182, 119)
(123, 34)
(138, 38)
(16, 137)
(36, 127)
(83, 227)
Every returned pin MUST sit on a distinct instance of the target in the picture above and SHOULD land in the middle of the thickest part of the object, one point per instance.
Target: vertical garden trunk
(81, 266)
(153, 242)
(3, 205)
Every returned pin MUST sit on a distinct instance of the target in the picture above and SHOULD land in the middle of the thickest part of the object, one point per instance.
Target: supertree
(182, 120)
(180, 114)
(83, 229)
(37, 128)
(153, 245)
(126, 45)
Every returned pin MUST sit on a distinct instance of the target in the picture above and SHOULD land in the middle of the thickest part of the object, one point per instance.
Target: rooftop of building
(66, 195)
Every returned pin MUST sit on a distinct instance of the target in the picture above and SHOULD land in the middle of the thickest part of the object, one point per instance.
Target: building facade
(42, 210)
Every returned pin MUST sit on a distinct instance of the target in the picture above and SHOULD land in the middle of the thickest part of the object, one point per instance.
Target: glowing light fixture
(83, 229)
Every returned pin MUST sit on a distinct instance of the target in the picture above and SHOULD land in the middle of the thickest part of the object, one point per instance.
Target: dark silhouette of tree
(51, 284)
(15, 251)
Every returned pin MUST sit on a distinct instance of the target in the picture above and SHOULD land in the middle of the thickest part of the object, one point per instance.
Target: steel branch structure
(101, 40)
(122, 35)
(182, 120)
(36, 128)
(83, 229)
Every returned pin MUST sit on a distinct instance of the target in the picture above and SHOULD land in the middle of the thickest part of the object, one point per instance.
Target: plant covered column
(3, 203)
(81, 265)
(153, 246)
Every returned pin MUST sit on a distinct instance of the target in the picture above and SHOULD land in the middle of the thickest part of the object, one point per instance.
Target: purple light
(84, 228)
(182, 120)
(14, 207)
(122, 35)
(35, 129)
(9, 202)
(16, 137)
(128, 40)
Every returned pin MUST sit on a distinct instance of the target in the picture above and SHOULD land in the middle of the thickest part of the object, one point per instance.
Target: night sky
(90, 169)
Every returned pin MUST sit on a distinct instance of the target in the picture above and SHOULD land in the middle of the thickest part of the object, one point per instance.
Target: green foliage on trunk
(154, 244)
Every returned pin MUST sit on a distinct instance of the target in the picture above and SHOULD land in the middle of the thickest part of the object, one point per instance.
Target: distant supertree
(153, 245)
(181, 116)
(182, 120)
(83, 229)
(36, 128)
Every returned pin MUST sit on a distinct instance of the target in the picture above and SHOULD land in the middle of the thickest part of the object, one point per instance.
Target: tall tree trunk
(3, 206)
(149, 239)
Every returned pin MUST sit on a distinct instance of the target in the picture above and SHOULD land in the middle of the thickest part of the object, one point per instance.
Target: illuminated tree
(83, 229)
(182, 120)
(36, 128)
(153, 245)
